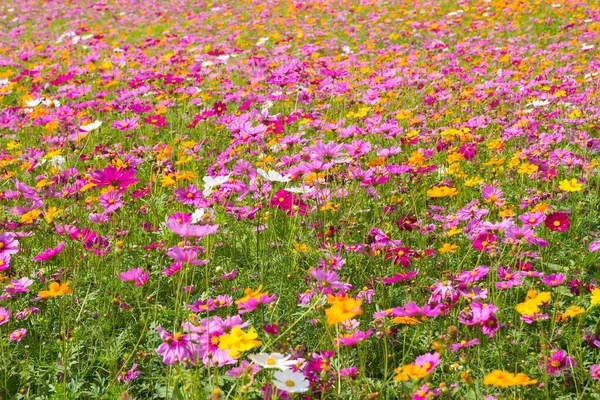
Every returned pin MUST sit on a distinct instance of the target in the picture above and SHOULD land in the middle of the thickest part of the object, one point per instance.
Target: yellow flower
(595, 299)
(30, 216)
(442, 191)
(51, 213)
(238, 341)
(527, 168)
(342, 308)
(55, 290)
(573, 311)
(448, 248)
(505, 379)
(410, 371)
(570, 185)
(473, 181)
(532, 302)
(252, 294)
(453, 231)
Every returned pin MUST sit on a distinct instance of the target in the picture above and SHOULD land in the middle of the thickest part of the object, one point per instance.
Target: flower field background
(298, 200)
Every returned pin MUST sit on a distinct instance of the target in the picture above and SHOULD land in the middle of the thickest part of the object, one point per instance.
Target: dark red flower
(557, 222)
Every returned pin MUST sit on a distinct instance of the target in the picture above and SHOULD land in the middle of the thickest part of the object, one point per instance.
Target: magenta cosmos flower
(111, 176)
(49, 253)
(557, 222)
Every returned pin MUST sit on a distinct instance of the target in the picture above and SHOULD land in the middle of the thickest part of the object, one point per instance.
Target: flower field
(330, 199)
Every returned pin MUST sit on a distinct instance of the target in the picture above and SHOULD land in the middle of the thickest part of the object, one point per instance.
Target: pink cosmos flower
(125, 124)
(553, 279)
(353, 338)
(18, 286)
(111, 201)
(129, 375)
(245, 368)
(4, 315)
(4, 261)
(177, 348)
(187, 230)
(327, 280)
(530, 319)
(594, 246)
(17, 335)
(532, 219)
(464, 343)
(49, 253)
(595, 371)
(136, 275)
(399, 277)
(466, 277)
(557, 362)
(8, 244)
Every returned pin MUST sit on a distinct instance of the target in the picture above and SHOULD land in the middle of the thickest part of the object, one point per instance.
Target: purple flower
(49, 253)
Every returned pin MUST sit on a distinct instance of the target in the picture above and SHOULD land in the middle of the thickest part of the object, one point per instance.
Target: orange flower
(342, 309)
(55, 290)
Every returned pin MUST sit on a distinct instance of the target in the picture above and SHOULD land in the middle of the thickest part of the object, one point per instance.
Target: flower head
(55, 289)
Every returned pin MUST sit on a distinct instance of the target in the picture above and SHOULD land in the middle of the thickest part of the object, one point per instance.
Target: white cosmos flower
(291, 382)
(210, 183)
(274, 176)
(273, 360)
(197, 215)
(34, 102)
(304, 189)
(91, 126)
(4, 82)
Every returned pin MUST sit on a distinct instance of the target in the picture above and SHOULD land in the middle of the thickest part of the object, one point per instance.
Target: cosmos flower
(17, 335)
(290, 381)
(273, 360)
(49, 253)
(136, 275)
(176, 348)
(557, 221)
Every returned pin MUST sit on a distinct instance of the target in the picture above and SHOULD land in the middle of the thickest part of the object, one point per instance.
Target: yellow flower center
(270, 361)
(177, 336)
(556, 223)
(290, 383)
